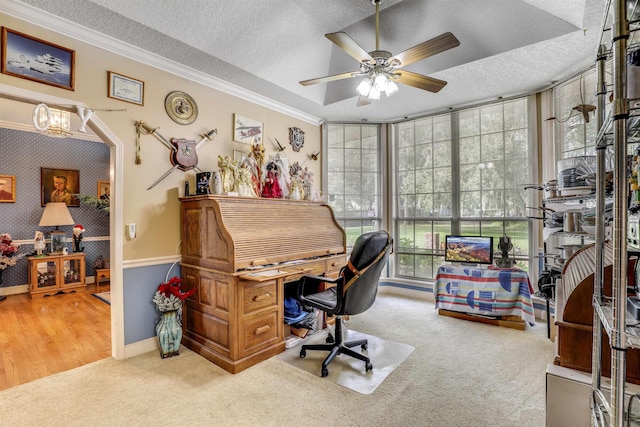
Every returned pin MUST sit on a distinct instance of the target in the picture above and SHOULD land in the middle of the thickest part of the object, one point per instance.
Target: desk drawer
(334, 265)
(258, 332)
(258, 295)
(102, 274)
(310, 268)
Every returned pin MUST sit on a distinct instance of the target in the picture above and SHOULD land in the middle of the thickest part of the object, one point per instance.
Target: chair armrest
(312, 279)
(321, 278)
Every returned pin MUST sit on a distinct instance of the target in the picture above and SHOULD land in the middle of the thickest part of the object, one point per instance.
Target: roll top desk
(239, 252)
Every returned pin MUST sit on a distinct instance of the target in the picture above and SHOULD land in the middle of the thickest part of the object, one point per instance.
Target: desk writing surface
(487, 291)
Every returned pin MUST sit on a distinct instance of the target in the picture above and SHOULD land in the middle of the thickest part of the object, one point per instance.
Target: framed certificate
(126, 88)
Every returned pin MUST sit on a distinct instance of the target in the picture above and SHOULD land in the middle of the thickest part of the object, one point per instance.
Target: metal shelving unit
(610, 313)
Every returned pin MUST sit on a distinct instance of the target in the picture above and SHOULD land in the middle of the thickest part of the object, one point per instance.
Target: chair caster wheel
(368, 367)
(364, 346)
(303, 354)
(325, 372)
(330, 339)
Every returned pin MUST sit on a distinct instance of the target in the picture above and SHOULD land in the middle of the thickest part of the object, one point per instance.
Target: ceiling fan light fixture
(381, 69)
(365, 86)
(380, 82)
(391, 88)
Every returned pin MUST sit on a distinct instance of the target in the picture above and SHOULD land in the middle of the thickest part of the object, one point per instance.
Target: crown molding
(67, 28)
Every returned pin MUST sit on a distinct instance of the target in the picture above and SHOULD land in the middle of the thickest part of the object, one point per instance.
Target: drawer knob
(262, 329)
(262, 297)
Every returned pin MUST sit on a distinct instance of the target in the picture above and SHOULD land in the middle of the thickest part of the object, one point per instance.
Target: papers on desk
(261, 276)
(268, 273)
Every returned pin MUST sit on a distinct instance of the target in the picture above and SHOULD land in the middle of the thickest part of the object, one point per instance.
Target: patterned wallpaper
(23, 154)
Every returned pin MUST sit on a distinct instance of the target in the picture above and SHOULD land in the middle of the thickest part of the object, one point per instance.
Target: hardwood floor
(44, 336)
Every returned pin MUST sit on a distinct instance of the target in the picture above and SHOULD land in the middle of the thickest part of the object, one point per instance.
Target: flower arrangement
(170, 296)
(8, 251)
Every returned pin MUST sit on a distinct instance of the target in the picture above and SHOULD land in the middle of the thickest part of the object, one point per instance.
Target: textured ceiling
(507, 47)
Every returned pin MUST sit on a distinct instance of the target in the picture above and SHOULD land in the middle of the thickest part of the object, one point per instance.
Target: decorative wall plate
(181, 108)
(296, 138)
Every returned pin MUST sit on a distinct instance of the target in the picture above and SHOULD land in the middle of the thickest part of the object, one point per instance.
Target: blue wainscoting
(140, 314)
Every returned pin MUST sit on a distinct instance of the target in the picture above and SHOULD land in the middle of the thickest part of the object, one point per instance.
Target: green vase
(169, 332)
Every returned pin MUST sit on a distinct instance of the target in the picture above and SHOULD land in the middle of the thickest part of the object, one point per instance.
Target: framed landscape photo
(126, 88)
(37, 60)
(59, 185)
(246, 129)
(7, 189)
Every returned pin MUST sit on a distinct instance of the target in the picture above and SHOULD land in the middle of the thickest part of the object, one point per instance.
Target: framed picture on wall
(59, 185)
(38, 60)
(126, 88)
(7, 189)
(239, 155)
(246, 129)
(104, 190)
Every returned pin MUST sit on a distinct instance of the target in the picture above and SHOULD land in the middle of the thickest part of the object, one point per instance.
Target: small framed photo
(126, 88)
(104, 190)
(239, 155)
(7, 189)
(38, 60)
(59, 185)
(246, 129)
(58, 241)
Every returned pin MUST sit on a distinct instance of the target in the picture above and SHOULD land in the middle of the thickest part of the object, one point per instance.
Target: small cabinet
(52, 274)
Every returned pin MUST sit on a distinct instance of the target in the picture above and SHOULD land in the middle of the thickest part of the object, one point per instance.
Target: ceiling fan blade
(363, 100)
(419, 81)
(426, 49)
(346, 43)
(331, 78)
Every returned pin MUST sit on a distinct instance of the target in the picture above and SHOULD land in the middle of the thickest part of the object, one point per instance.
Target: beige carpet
(347, 371)
(461, 374)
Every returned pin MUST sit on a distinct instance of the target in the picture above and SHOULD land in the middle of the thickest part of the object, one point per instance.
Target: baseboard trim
(14, 290)
(141, 347)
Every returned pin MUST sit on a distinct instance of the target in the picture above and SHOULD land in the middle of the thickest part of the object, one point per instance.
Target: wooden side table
(102, 274)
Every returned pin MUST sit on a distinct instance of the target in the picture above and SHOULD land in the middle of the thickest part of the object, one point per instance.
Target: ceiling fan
(382, 69)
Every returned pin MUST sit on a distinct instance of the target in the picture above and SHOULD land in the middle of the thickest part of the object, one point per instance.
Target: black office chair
(355, 291)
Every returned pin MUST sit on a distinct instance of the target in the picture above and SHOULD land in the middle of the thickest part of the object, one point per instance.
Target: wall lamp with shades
(52, 121)
(56, 214)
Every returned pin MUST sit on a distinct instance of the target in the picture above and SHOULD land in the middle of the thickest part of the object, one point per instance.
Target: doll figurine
(38, 243)
(226, 173)
(271, 186)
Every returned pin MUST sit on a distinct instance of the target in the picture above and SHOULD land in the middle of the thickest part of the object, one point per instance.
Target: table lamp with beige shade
(56, 214)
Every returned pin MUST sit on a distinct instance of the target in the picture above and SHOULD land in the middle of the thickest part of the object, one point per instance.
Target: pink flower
(8, 251)
(7, 248)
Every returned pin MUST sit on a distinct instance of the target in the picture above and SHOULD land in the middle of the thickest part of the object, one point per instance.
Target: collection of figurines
(255, 176)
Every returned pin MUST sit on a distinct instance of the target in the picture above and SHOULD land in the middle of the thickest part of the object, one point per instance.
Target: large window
(456, 173)
(572, 100)
(424, 201)
(461, 172)
(354, 177)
